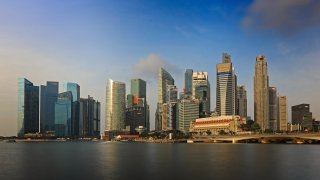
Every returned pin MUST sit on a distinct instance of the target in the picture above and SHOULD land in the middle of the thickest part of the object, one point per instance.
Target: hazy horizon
(88, 42)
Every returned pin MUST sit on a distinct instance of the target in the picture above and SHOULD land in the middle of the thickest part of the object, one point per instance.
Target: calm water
(100, 160)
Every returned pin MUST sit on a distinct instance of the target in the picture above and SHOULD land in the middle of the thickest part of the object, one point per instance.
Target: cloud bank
(286, 17)
(148, 67)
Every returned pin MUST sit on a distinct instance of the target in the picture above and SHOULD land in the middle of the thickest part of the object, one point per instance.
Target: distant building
(28, 107)
(188, 81)
(135, 117)
(261, 93)
(301, 115)
(63, 114)
(201, 91)
(188, 111)
(164, 79)
(89, 124)
(115, 105)
(48, 98)
(282, 113)
(241, 102)
(74, 88)
(226, 87)
(273, 108)
(214, 125)
(169, 111)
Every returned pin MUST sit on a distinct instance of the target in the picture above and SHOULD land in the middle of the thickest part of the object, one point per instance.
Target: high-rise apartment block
(226, 87)
(115, 105)
(261, 93)
(28, 107)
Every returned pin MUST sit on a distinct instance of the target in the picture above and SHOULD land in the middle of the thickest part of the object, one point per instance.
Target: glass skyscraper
(226, 87)
(89, 117)
(115, 105)
(28, 107)
(74, 88)
(164, 79)
(48, 98)
(188, 81)
(201, 91)
(63, 114)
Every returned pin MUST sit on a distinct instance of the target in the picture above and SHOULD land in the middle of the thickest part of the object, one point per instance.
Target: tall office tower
(273, 109)
(48, 98)
(139, 89)
(169, 108)
(282, 113)
(201, 91)
(188, 81)
(63, 114)
(74, 88)
(301, 115)
(241, 101)
(261, 93)
(226, 87)
(28, 107)
(115, 105)
(164, 79)
(89, 124)
(188, 110)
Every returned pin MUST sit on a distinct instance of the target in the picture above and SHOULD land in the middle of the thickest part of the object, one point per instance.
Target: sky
(90, 41)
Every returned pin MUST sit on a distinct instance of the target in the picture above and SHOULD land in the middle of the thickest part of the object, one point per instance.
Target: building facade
(214, 125)
(226, 87)
(273, 108)
(63, 114)
(89, 125)
(28, 108)
(302, 116)
(188, 111)
(115, 105)
(188, 81)
(282, 113)
(201, 91)
(48, 98)
(261, 93)
(241, 102)
(164, 79)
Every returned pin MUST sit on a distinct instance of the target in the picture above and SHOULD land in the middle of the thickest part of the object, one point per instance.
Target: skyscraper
(164, 79)
(241, 101)
(48, 98)
(115, 105)
(301, 115)
(282, 113)
(226, 87)
(63, 114)
(137, 108)
(89, 124)
(261, 93)
(74, 88)
(188, 81)
(273, 109)
(28, 107)
(188, 110)
(169, 108)
(201, 91)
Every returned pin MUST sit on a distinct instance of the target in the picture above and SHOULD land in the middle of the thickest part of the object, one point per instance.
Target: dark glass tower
(63, 114)
(48, 98)
(188, 81)
(28, 107)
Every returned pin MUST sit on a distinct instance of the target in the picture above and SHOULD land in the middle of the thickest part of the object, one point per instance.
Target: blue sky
(90, 41)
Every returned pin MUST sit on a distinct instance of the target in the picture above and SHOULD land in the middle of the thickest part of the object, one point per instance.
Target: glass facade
(139, 88)
(188, 81)
(115, 105)
(48, 98)
(74, 88)
(63, 114)
(89, 124)
(28, 107)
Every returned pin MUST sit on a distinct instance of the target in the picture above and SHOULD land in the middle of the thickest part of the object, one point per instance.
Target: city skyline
(47, 42)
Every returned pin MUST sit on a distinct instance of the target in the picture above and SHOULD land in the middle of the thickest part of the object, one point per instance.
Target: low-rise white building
(215, 124)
